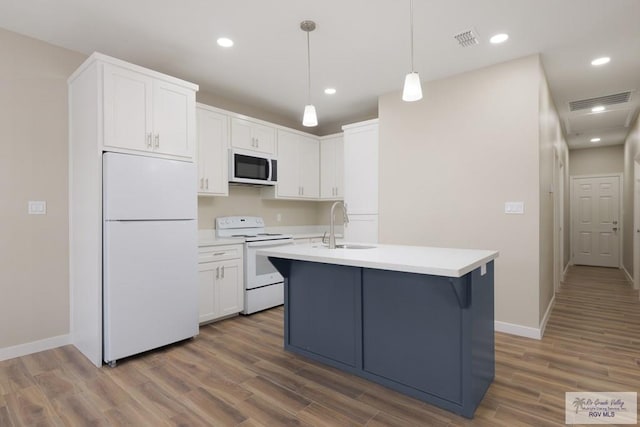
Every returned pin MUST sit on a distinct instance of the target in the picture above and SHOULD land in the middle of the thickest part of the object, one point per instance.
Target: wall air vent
(467, 38)
(583, 104)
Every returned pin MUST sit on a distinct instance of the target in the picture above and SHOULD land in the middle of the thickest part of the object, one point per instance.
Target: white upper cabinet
(250, 135)
(213, 157)
(332, 167)
(361, 167)
(298, 167)
(143, 112)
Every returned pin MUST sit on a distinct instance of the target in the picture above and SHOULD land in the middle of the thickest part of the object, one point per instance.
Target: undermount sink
(352, 246)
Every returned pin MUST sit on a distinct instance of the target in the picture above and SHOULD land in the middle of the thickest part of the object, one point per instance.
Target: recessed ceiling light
(225, 42)
(601, 61)
(598, 109)
(499, 38)
(330, 91)
(595, 140)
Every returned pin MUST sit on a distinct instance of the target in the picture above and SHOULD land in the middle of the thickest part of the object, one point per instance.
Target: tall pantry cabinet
(361, 181)
(120, 107)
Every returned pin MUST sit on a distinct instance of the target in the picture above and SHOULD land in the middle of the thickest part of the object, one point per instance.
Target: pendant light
(309, 118)
(412, 90)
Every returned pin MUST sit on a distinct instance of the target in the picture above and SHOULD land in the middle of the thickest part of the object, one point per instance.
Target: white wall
(244, 200)
(34, 273)
(449, 163)
(597, 160)
(553, 153)
(631, 156)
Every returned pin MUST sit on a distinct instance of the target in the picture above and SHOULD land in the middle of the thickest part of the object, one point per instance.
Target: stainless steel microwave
(247, 167)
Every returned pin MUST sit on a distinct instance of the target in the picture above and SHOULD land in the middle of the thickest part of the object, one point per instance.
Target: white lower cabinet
(221, 284)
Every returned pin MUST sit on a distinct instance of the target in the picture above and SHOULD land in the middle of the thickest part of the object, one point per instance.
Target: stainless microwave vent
(616, 98)
(467, 38)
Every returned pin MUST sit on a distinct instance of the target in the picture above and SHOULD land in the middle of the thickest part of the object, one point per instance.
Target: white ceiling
(360, 47)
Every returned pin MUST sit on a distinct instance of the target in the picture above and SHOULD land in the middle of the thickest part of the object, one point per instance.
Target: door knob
(615, 228)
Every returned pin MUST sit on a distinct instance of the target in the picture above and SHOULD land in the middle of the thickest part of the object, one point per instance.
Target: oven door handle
(270, 243)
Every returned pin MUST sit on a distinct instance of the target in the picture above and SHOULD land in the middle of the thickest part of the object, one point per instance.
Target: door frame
(636, 223)
(558, 221)
(620, 212)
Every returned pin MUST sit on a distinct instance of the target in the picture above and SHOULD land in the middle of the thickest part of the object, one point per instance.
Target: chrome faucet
(332, 229)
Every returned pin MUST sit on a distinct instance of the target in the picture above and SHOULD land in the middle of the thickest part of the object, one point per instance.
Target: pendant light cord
(308, 70)
(411, 30)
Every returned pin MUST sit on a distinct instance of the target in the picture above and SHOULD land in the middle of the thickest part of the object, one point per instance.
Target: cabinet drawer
(219, 253)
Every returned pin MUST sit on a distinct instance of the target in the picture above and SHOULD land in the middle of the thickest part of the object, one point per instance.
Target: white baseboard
(513, 329)
(34, 347)
(626, 273)
(566, 267)
(547, 314)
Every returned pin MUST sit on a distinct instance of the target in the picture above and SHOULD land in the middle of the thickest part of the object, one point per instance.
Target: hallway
(591, 343)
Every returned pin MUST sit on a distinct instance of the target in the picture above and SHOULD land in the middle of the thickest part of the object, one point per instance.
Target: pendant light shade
(412, 88)
(309, 119)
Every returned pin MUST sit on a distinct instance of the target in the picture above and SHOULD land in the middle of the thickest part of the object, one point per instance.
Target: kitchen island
(418, 320)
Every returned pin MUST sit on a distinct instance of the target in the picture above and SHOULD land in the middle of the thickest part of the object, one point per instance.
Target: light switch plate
(37, 207)
(514, 208)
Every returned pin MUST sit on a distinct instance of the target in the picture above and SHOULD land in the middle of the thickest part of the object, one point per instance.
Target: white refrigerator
(150, 254)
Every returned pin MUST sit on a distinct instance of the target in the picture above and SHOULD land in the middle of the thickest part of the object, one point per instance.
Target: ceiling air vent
(467, 38)
(583, 104)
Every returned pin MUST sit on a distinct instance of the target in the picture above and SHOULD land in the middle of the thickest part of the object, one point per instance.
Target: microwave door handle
(268, 169)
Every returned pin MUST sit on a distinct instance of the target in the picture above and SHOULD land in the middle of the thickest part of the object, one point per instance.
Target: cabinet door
(264, 138)
(327, 169)
(332, 168)
(241, 134)
(173, 119)
(127, 109)
(230, 288)
(361, 170)
(213, 165)
(339, 167)
(206, 293)
(309, 167)
(252, 136)
(288, 167)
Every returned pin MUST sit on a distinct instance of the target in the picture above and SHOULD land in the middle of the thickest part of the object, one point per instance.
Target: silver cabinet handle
(302, 190)
(217, 272)
(149, 142)
(157, 138)
(201, 183)
(223, 271)
(218, 253)
(207, 183)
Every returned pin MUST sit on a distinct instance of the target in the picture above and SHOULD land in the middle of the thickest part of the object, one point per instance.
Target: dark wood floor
(236, 373)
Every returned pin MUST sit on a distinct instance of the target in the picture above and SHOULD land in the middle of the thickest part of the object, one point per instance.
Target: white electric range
(264, 286)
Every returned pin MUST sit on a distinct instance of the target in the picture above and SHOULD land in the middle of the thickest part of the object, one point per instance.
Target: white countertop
(447, 262)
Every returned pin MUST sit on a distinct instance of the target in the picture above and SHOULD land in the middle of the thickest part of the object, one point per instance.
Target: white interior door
(595, 206)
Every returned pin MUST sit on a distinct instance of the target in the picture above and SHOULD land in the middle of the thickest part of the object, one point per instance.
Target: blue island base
(429, 337)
